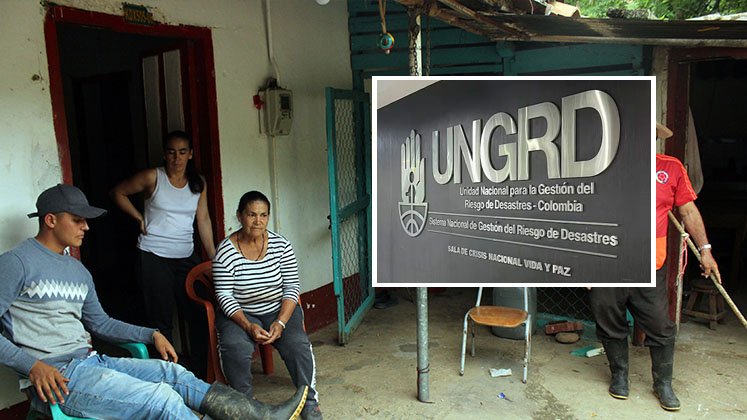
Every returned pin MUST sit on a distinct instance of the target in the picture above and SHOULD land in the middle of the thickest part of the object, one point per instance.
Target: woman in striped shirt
(257, 288)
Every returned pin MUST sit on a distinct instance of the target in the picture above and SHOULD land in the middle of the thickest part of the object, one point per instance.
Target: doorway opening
(706, 102)
(116, 89)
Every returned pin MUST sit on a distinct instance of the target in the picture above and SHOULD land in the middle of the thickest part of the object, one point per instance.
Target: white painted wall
(311, 48)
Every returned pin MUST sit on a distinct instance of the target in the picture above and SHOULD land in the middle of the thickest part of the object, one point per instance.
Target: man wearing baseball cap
(65, 198)
(48, 305)
(650, 306)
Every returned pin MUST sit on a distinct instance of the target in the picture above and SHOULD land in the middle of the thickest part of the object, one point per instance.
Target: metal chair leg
(464, 344)
(474, 327)
(527, 345)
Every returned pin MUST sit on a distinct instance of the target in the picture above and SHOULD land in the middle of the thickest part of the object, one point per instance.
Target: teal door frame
(349, 166)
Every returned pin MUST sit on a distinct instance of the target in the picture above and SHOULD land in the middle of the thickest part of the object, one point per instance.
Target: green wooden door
(349, 165)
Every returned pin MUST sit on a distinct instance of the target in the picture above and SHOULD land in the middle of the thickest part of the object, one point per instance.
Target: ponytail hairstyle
(194, 178)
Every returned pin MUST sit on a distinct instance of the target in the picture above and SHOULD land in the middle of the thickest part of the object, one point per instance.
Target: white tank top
(169, 217)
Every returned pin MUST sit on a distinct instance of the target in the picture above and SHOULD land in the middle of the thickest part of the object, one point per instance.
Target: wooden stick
(716, 282)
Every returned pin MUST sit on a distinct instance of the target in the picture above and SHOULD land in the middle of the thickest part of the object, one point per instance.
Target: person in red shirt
(650, 306)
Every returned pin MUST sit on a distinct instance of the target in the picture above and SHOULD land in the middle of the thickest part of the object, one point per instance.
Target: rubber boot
(311, 412)
(224, 403)
(617, 355)
(662, 365)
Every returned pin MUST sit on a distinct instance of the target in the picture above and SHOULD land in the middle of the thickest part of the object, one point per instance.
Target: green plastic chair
(137, 350)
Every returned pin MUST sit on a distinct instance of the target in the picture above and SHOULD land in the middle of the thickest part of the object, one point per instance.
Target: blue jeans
(111, 387)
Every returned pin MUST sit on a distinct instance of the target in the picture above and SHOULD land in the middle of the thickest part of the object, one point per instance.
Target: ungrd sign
(561, 159)
(518, 181)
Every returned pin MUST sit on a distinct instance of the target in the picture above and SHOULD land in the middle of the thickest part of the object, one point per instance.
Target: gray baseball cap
(65, 198)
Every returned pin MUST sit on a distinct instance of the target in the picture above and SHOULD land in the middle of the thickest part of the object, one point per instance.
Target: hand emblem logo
(413, 166)
(412, 208)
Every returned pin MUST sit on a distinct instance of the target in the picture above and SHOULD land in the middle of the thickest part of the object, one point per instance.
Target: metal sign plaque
(515, 181)
(135, 13)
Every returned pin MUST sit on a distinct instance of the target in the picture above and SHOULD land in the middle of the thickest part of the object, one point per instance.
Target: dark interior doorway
(711, 82)
(96, 83)
(718, 100)
(108, 140)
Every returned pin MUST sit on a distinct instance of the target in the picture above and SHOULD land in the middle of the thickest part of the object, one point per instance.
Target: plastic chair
(498, 316)
(137, 351)
(203, 274)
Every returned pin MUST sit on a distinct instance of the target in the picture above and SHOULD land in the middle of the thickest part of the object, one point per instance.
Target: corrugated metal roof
(489, 19)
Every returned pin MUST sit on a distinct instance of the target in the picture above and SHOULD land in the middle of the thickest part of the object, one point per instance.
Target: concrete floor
(375, 375)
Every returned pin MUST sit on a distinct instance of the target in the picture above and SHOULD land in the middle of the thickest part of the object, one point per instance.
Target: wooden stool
(716, 309)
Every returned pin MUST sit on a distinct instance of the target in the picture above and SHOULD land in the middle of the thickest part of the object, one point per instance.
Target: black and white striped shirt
(257, 287)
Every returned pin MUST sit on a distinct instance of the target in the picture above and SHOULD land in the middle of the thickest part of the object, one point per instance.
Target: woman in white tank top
(175, 196)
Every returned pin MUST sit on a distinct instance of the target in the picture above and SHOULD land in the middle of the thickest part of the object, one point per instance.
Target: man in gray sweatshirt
(48, 305)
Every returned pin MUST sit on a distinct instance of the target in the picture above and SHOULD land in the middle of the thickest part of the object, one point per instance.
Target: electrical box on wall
(278, 111)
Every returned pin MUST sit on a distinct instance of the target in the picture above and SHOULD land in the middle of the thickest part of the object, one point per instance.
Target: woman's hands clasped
(276, 330)
(262, 336)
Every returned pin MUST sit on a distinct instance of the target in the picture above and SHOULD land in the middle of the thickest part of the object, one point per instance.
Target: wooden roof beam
(453, 19)
(465, 11)
(445, 15)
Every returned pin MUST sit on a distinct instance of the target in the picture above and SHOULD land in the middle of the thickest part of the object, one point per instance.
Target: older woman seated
(257, 288)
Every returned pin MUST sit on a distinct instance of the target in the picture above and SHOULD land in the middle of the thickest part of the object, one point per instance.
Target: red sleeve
(684, 193)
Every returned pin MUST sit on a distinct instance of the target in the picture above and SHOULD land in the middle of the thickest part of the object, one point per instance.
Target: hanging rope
(413, 30)
(386, 40)
(382, 14)
(681, 264)
(427, 66)
(683, 252)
